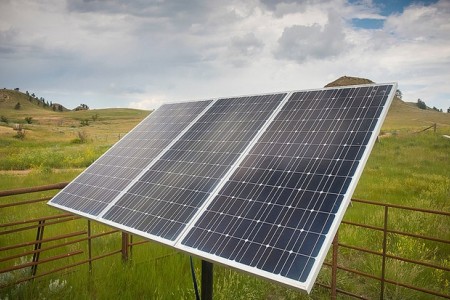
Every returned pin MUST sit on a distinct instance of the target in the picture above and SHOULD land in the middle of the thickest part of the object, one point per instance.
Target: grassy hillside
(59, 140)
(9, 99)
(404, 168)
(402, 116)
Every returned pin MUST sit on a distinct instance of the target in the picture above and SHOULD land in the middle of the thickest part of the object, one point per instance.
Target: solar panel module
(109, 175)
(168, 195)
(259, 183)
(277, 214)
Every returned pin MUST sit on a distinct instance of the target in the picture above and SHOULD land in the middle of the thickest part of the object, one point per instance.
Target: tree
(448, 110)
(17, 106)
(399, 94)
(82, 107)
(421, 104)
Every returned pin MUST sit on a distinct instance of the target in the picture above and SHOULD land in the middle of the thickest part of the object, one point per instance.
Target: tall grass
(410, 170)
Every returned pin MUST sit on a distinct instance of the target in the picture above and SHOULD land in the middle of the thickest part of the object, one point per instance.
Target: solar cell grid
(277, 208)
(108, 176)
(168, 195)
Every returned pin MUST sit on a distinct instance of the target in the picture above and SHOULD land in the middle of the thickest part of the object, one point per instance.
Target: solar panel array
(259, 183)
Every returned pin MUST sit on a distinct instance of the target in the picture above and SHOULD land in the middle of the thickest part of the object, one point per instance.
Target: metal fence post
(383, 264)
(37, 247)
(130, 247)
(89, 245)
(124, 246)
(334, 267)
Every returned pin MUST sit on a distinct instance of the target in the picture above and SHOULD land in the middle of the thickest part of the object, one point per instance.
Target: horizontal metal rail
(61, 268)
(417, 262)
(342, 291)
(408, 286)
(25, 202)
(429, 238)
(39, 225)
(33, 263)
(46, 248)
(435, 212)
(43, 188)
(36, 220)
(55, 238)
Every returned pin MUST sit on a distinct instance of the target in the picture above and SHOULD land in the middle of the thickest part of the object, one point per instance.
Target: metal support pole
(334, 267)
(207, 280)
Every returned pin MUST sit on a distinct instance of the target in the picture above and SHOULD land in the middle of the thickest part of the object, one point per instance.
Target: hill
(104, 126)
(402, 115)
(10, 98)
(348, 80)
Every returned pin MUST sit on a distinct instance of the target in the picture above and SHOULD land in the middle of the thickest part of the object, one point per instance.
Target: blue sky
(385, 9)
(140, 54)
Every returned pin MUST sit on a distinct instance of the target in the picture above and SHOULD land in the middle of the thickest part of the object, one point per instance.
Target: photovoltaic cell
(168, 195)
(278, 212)
(105, 179)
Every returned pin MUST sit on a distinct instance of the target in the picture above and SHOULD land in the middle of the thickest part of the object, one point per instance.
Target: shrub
(29, 120)
(81, 139)
(20, 134)
(4, 119)
(421, 104)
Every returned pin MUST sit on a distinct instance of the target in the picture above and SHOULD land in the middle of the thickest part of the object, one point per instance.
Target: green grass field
(405, 168)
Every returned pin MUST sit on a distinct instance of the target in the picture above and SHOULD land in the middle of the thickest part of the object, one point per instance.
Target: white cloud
(301, 43)
(122, 53)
